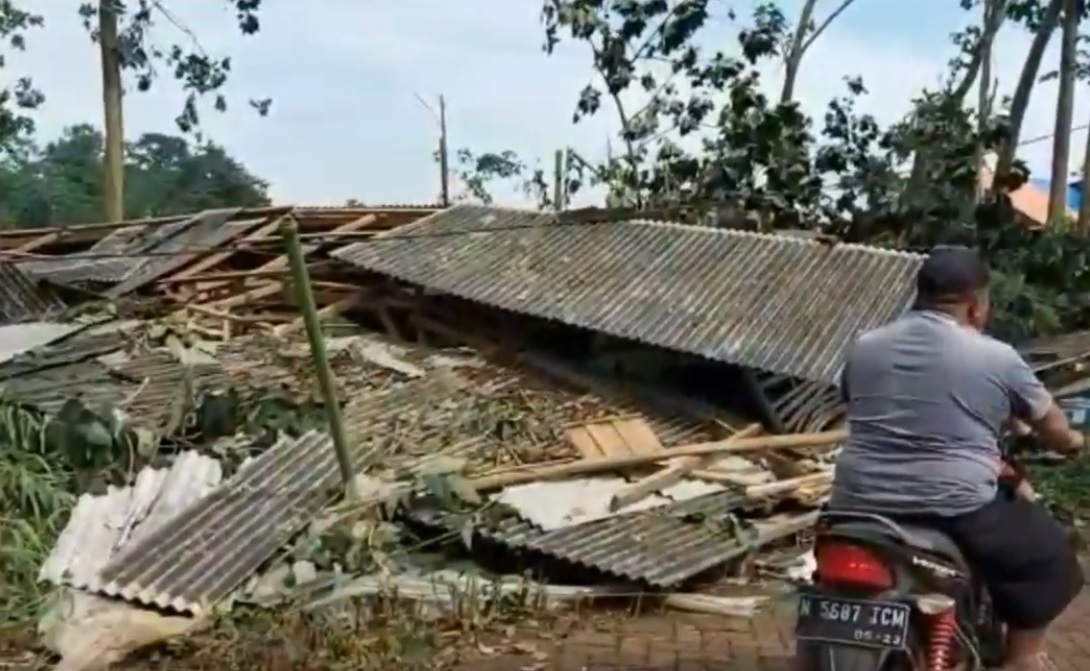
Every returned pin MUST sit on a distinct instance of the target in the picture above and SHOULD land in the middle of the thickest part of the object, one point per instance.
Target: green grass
(35, 506)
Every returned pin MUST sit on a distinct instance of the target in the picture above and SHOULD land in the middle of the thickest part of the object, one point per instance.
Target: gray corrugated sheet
(196, 559)
(109, 259)
(662, 547)
(160, 382)
(552, 505)
(100, 525)
(146, 385)
(207, 230)
(16, 339)
(23, 299)
(778, 303)
(132, 257)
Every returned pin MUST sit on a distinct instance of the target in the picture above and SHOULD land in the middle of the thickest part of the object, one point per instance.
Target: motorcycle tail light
(849, 564)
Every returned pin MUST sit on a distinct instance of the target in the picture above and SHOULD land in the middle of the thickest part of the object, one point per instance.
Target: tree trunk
(801, 42)
(983, 114)
(1020, 102)
(995, 13)
(114, 169)
(1084, 206)
(794, 55)
(1065, 103)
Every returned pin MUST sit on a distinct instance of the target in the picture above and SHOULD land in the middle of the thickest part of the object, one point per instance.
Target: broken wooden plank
(671, 475)
(606, 464)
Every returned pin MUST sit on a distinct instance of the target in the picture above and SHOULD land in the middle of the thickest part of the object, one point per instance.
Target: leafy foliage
(60, 182)
(200, 74)
(20, 96)
(701, 136)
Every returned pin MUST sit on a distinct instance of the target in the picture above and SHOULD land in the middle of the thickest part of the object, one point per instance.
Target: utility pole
(444, 158)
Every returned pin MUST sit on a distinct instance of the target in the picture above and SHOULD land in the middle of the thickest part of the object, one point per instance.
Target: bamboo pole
(791, 484)
(605, 464)
(301, 281)
(671, 475)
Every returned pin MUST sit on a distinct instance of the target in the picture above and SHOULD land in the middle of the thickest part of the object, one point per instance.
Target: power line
(1042, 138)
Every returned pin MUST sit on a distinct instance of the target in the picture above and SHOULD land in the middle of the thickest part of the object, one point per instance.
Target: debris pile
(571, 433)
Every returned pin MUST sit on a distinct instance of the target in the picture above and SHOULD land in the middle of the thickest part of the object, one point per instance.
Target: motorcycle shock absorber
(943, 619)
(940, 648)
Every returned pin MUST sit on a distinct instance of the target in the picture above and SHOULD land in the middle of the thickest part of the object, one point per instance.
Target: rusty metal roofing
(192, 561)
(777, 303)
(662, 547)
(100, 525)
(23, 299)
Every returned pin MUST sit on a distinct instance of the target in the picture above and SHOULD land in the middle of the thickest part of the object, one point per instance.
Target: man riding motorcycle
(928, 397)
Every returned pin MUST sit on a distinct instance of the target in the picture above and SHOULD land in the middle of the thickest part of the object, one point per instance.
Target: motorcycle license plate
(875, 624)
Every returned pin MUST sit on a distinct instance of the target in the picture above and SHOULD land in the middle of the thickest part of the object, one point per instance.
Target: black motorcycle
(888, 596)
(892, 596)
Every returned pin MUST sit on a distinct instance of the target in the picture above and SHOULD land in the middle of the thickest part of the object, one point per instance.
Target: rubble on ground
(492, 470)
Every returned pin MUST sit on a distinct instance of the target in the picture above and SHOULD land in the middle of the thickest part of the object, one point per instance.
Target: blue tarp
(1074, 191)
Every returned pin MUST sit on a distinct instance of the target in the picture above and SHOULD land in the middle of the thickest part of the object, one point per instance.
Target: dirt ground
(590, 641)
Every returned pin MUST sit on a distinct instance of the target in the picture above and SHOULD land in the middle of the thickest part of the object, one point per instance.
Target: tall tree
(1043, 22)
(806, 33)
(1083, 75)
(125, 33)
(113, 178)
(1065, 106)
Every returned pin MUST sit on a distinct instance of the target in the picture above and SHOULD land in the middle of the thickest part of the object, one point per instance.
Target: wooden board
(615, 437)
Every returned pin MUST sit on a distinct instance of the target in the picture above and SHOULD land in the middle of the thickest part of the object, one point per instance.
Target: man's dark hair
(950, 274)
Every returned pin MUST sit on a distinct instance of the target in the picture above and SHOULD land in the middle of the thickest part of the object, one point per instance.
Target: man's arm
(1031, 403)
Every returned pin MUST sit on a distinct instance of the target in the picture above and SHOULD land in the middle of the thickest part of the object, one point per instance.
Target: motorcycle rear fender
(828, 657)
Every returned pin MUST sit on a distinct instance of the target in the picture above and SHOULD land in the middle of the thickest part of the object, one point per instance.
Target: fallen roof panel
(662, 547)
(778, 303)
(23, 299)
(100, 525)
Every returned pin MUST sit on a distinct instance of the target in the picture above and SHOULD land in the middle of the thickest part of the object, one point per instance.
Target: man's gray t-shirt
(928, 400)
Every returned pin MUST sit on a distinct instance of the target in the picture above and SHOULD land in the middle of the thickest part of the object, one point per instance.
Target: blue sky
(344, 76)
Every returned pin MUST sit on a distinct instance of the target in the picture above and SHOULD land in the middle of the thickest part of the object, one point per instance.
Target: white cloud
(343, 75)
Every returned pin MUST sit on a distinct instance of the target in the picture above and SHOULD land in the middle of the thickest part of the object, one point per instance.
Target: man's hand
(1018, 427)
(1077, 440)
(1025, 491)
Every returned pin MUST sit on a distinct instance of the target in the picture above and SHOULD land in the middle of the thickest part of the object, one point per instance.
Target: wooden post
(289, 230)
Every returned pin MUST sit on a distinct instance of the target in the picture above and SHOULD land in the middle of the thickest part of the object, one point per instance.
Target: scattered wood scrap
(673, 474)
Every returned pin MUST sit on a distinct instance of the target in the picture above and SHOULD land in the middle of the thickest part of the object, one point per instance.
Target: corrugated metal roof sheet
(194, 560)
(552, 505)
(147, 385)
(89, 382)
(16, 339)
(109, 259)
(100, 525)
(23, 299)
(206, 230)
(778, 303)
(662, 547)
(133, 256)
